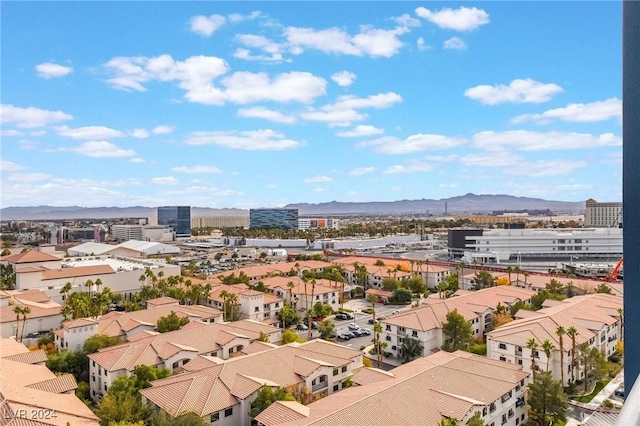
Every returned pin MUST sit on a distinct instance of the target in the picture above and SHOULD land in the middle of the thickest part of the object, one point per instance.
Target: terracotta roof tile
(79, 271)
(31, 256)
(30, 357)
(59, 384)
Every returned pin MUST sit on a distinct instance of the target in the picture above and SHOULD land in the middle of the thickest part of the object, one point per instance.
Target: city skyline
(261, 105)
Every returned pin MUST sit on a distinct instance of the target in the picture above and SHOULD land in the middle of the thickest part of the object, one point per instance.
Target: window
(335, 371)
(502, 346)
(414, 333)
(215, 417)
(228, 412)
(388, 328)
(502, 358)
(388, 338)
(256, 309)
(93, 377)
(344, 369)
(93, 363)
(105, 386)
(336, 387)
(105, 372)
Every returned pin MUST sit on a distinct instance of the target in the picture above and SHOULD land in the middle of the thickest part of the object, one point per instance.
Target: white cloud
(448, 185)
(197, 169)
(343, 111)
(343, 78)
(167, 180)
(318, 179)
(140, 133)
(236, 17)
(29, 177)
(583, 113)
(25, 144)
(162, 130)
(545, 168)
(196, 74)
(271, 48)
(406, 20)
(9, 166)
(422, 45)
(255, 140)
(7, 133)
(267, 114)
(101, 149)
(89, 132)
(461, 19)
(523, 140)
(414, 143)
(246, 87)
(454, 43)
(137, 160)
(518, 91)
(206, 25)
(361, 171)
(361, 130)
(368, 42)
(318, 189)
(411, 168)
(49, 70)
(30, 117)
(573, 187)
(492, 159)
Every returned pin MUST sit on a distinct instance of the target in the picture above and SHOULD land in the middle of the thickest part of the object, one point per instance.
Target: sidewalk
(606, 392)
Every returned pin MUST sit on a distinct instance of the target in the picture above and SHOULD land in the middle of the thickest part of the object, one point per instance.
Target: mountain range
(468, 203)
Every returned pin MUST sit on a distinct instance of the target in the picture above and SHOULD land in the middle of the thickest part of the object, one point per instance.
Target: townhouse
(31, 394)
(325, 291)
(226, 389)
(425, 323)
(125, 325)
(424, 391)
(254, 305)
(596, 318)
(44, 314)
(173, 350)
(257, 273)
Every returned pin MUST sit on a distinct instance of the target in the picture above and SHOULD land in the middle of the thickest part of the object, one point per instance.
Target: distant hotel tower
(273, 218)
(602, 215)
(178, 218)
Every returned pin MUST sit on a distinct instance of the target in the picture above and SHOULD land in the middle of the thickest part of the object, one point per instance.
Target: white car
(354, 326)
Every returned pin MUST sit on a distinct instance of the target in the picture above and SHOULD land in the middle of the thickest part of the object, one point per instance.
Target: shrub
(607, 404)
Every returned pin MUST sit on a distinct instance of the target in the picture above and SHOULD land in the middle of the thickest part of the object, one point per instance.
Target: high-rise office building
(178, 218)
(273, 218)
(602, 215)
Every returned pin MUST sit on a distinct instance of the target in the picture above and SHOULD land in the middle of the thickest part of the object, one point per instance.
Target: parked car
(382, 318)
(347, 315)
(352, 334)
(353, 326)
(358, 332)
(365, 331)
(314, 325)
(371, 321)
(394, 312)
(341, 317)
(619, 392)
(344, 336)
(302, 327)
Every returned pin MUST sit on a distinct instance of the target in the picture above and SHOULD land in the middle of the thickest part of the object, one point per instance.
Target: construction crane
(613, 275)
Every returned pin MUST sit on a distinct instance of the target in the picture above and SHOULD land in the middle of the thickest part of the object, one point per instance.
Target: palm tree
(225, 297)
(560, 331)
(526, 275)
(620, 318)
(25, 310)
(509, 271)
(377, 329)
(18, 311)
(533, 345)
(290, 286)
(89, 283)
(573, 332)
(411, 349)
(66, 289)
(373, 299)
(548, 348)
(517, 270)
(233, 303)
(98, 283)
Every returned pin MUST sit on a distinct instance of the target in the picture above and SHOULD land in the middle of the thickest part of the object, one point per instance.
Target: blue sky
(256, 104)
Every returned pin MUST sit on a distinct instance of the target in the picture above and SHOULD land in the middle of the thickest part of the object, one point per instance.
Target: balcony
(319, 386)
(520, 402)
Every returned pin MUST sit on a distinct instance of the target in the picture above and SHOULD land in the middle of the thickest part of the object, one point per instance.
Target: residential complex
(126, 325)
(450, 385)
(602, 215)
(425, 323)
(597, 319)
(286, 219)
(220, 222)
(253, 305)
(226, 389)
(44, 314)
(30, 394)
(178, 218)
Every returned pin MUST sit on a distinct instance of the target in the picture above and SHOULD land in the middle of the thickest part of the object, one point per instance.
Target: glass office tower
(178, 218)
(273, 218)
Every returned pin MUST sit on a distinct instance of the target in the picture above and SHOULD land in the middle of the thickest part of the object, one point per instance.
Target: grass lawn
(587, 398)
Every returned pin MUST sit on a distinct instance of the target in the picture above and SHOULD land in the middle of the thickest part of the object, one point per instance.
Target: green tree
(99, 341)
(572, 332)
(288, 315)
(379, 262)
(83, 392)
(560, 332)
(458, 331)
(373, 299)
(547, 400)
(122, 402)
(603, 288)
(5, 252)
(448, 421)
(171, 322)
(548, 349)
(554, 287)
(483, 279)
(320, 310)
(145, 374)
(72, 362)
(476, 420)
(161, 418)
(532, 344)
(414, 284)
(401, 295)
(390, 284)
(267, 396)
(290, 336)
(326, 329)
(411, 349)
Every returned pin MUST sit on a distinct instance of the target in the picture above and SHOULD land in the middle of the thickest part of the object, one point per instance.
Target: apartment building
(596, 318)
(29, 387)
(254, 305)
(425, 323)
(44, 314)
(220, 222)
(602, 215)
(42, 271)
(172, 350)
(226, 389)
(424, 391)
(126, 325)
(257, 273)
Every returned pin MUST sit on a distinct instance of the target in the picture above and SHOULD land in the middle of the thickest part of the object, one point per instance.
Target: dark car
(358, 333)
(371, 321)
(619, 392)
(341, 317)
